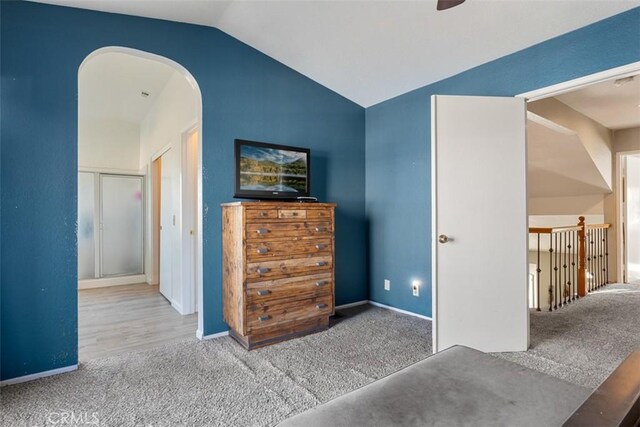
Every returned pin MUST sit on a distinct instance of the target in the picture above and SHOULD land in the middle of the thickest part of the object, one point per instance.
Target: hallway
(119, 319)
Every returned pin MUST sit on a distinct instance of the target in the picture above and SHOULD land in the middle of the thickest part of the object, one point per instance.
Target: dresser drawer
(292, 214)
(287, 248)
(294, 288)
(261, 214)
(266, 315)
(319, 214)
(297, 266)
(274, 230)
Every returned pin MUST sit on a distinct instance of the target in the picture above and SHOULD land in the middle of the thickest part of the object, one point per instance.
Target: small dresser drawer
(268, 269)
(261, 214)
(292, 214)
(266, 315)
(319, 214)
(274, 230)
(288, 248)
(293, 289)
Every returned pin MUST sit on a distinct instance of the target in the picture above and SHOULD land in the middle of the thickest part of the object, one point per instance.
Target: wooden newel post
(582, 259)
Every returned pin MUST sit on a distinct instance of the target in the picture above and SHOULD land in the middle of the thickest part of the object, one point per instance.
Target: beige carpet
(218, 383)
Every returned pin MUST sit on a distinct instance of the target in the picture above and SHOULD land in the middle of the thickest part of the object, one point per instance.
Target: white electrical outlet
(416, 288)
(387, 284)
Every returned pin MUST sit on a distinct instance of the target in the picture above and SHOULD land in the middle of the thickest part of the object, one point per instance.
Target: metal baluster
(555, 269)
(550, 272)
(567, 277)
(599, 258)
(606, 254)
(602, 254)
(562, 270)
(538, 270)
(590, 260)
(574, 265)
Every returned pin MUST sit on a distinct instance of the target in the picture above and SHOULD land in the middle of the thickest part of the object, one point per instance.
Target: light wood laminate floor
(119, 319)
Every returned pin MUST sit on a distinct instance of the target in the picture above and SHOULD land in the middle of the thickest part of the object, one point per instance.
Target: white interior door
(632, 217)
(166, 226)
(479, 202)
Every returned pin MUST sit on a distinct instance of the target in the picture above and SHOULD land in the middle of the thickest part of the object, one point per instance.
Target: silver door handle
(262, 270)
(320, 306)
(264, 292)
(321, 264)
(321, 229)
(262, 231)
(320, 246)
(264, 318)
(443, 238)
(321, 283)
(263, 250)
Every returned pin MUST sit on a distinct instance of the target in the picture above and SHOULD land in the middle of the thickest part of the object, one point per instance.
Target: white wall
(108, 144)
(596, 138)
(174, 109)
(570, 205)
(173, 112)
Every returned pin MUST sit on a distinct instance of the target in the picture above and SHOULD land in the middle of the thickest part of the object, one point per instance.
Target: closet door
(86, 225)
(121, 213)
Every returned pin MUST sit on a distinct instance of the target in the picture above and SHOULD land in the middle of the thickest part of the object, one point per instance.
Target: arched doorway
(139, 200)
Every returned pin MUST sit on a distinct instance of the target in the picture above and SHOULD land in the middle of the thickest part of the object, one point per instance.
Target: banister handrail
(551, 230)
(589, 226)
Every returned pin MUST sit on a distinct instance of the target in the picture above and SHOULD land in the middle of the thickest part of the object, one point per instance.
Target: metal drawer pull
(262, 231)
(321, 263)
(264, 292)
(321, 283)
(264, 318)
(262, 270)
(294, 213)
(320, 306)
(321, 229)
(321, 246)
(264, 214)
(263, 250)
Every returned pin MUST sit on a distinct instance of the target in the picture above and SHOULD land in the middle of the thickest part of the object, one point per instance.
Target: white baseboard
(111, 281)
(353, 304)
(32, 377)
(212, 336)
(410, 313)
(177, 307)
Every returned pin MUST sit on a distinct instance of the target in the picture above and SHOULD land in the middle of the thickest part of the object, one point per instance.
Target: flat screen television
(271, 171)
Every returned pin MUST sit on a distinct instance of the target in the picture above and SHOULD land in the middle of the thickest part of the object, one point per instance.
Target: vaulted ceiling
(370, 51)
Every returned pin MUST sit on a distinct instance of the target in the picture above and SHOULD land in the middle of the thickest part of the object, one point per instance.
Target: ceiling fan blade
(446, 4)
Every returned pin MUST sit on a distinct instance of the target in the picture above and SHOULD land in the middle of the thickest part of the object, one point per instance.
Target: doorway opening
(139, 202)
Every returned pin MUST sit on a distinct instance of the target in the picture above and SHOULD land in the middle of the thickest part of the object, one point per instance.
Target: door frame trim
(621, 264)
(580, 82)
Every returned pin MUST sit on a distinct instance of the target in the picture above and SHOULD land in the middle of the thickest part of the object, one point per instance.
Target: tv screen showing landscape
(273, 170)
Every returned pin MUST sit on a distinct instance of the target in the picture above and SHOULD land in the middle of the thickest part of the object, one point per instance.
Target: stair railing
(576, 262)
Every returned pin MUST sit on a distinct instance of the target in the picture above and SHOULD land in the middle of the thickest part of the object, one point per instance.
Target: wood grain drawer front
(293, 289)
(261, 214)
(297, 266)
(292, 214)
(288, 248)
(319, 214)
(266, 315)
(274, 230)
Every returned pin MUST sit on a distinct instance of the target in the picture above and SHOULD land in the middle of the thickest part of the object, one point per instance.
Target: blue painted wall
(245, 95)
(398, 135)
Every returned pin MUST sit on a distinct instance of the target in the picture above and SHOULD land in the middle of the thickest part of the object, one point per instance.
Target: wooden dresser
(277, 270)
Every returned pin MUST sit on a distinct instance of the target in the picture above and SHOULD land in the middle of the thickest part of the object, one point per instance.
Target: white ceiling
(110, 86)
(370, 51)
(558, 162)
(611, 106)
